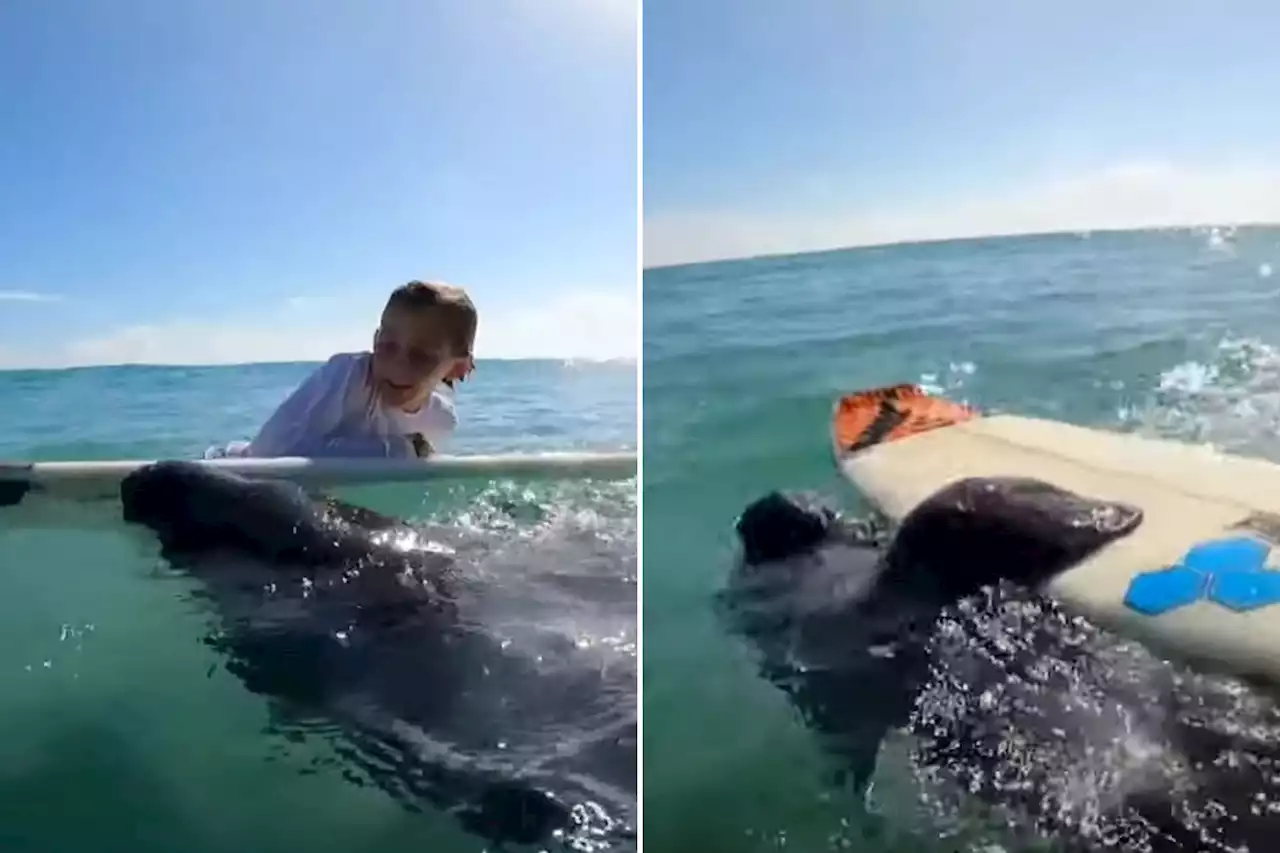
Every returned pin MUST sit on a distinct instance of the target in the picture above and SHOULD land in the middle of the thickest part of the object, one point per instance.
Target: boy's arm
(311, 410)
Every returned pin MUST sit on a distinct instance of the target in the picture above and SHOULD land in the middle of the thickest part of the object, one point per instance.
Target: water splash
(950, 381)
(1038, 726)
(1230, 400)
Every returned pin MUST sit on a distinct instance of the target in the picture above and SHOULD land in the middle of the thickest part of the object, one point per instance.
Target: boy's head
(426, 337)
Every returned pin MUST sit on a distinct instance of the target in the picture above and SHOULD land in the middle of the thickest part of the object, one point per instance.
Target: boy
(396, 401)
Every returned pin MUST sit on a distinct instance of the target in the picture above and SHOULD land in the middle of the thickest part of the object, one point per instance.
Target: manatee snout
(162, 495)
(778, 526)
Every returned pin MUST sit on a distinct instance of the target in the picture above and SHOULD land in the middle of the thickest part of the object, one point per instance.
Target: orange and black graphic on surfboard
(880, 415)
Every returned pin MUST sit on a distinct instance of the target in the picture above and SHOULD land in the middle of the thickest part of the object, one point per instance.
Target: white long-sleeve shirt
(331, 414)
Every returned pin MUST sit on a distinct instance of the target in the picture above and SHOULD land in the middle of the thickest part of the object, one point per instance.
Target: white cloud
(1134, 195)
(582, 324)
(597, 19)
(27, 296)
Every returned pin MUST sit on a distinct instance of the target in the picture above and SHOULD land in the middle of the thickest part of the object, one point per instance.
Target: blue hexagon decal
(1153, 593)
(1231, 572)
(1242, 591)
(1239, 554)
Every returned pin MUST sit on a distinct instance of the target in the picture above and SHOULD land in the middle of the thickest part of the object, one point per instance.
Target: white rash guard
(330, 414)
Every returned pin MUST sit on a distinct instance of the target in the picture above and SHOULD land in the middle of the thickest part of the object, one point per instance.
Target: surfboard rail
(98, 478)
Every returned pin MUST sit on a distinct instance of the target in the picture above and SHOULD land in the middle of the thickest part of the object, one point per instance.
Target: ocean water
(1173, 332)
(122, 731)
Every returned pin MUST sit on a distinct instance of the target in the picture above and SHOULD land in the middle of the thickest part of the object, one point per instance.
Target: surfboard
(1199, 579)
(92, 480)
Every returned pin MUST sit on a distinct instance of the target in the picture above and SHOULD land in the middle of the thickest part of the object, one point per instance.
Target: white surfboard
(94, 480)
(898, 445)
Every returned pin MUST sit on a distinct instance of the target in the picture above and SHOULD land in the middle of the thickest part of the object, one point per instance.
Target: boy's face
(411, 355)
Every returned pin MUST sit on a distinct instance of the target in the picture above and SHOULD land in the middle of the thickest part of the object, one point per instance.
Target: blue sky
(773, 127)
(232, 180)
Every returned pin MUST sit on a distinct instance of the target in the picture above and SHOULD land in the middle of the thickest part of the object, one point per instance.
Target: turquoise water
(1173, 333)
(121, 730)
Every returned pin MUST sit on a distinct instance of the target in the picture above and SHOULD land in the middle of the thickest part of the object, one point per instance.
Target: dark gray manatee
(354, 622)
(938, 634)
(842, 623)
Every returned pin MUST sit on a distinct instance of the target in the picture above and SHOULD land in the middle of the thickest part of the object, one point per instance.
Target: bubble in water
(1189, 377)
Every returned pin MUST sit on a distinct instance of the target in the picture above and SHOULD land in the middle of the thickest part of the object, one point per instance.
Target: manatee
(355, 622)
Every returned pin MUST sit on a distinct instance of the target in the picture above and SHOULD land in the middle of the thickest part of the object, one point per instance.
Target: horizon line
(616, 360)
(965, 238)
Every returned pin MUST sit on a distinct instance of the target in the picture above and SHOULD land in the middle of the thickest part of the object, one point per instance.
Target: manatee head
(778, 526)
(194, 507)
(981, 530)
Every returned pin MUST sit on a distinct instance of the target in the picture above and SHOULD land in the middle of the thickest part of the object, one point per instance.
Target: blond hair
(451, 303)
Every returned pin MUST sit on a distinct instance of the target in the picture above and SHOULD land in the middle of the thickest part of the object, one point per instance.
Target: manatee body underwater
(354, 625)
(937, 638)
